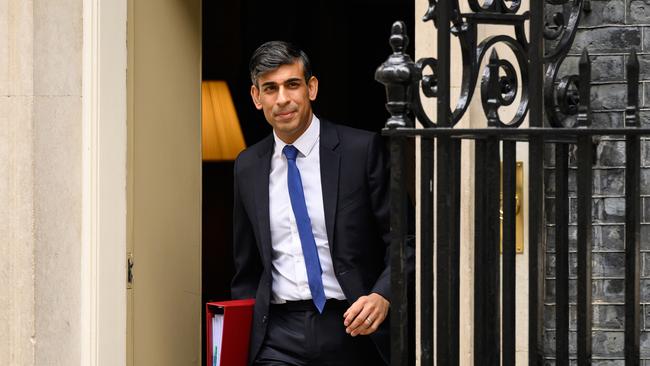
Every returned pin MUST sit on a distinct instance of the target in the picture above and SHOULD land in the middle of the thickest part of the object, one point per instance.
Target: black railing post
(426, 251)
(509, 292)
(561, 254)
(535, 202)
(399, 305)
(443, 252)
(443, 200)
(487, 317)
(536, 251)
(584, 229)
(397, 74)
(632, 216)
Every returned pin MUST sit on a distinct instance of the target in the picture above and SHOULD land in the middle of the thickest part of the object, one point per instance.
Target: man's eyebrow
(292, 80)
(269, 83)
(289, 80)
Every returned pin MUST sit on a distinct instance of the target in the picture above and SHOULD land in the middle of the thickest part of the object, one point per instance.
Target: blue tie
(309, 251)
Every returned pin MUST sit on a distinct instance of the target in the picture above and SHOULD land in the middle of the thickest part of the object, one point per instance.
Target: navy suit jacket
(354, 178)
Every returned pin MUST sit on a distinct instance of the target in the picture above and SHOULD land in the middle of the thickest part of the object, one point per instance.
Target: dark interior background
(345, 40)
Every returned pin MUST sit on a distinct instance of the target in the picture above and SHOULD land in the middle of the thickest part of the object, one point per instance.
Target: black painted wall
(609, 32)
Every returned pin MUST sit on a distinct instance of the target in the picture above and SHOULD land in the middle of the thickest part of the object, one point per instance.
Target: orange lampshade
(221, 134)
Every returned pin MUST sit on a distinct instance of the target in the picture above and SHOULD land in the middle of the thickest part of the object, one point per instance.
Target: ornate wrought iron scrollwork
(429, 87)
(502, 83)
(495, 6)
(464, 27)
(498, 91)
(561, 29)
(504, 87)
(561, 97)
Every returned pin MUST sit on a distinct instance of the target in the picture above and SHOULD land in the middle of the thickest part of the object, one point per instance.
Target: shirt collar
(306, 142)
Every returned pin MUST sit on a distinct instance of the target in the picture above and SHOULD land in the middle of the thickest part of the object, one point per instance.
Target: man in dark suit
(311, 227)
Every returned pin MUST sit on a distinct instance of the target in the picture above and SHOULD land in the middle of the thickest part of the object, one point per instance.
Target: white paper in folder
(217, 338)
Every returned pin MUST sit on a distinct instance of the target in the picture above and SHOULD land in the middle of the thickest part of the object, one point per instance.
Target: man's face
(285, 97)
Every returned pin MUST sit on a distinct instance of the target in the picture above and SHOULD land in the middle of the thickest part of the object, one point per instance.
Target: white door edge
(103, 254)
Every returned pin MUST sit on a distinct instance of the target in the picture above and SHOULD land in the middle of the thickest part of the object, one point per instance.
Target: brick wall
(609, 31)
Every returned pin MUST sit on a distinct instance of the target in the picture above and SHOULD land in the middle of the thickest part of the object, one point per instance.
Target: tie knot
(290, 152)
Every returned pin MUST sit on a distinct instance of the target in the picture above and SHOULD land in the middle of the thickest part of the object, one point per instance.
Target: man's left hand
(366, 314)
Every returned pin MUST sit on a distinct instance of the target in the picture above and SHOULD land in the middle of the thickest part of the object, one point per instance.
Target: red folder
(237, 320)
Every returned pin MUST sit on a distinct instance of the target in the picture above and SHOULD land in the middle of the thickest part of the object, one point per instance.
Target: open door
(164, 182)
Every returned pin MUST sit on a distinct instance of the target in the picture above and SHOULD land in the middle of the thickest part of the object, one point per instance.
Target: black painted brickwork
(609, 31)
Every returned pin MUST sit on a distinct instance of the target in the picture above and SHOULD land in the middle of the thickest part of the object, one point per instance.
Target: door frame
(104, 178)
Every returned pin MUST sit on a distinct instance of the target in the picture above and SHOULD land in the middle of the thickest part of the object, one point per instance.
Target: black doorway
(345, 40)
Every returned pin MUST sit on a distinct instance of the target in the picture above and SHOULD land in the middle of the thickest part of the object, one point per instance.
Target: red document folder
(237, 320)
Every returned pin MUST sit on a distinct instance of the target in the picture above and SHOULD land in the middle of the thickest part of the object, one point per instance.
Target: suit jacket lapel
(261, 185)
(329, 172)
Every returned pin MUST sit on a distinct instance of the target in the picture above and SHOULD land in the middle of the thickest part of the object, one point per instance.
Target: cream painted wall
(17, 233)
(164, 185)
(47, 248)
(38, 123)
(57, 180)
(40, 120)
(426, 46)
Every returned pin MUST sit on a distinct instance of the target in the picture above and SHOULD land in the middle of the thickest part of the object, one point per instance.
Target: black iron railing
(548, 98)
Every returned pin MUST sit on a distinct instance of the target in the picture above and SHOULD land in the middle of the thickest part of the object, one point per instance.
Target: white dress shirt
(290, 281)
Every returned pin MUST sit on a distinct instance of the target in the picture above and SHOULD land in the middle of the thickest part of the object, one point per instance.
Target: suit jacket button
(265, 319)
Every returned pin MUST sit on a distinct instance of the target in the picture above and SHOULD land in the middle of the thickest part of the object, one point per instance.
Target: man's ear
(312, 86)
(255, 95)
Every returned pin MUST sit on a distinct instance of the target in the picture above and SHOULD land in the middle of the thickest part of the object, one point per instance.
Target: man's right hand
(366, 315)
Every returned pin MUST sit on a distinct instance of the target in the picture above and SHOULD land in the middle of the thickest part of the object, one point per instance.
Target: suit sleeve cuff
(384, 291)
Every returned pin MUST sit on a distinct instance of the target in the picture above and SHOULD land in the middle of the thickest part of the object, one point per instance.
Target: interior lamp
(221, 134)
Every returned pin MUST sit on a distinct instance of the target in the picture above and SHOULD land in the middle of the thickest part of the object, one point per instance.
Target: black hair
(274, 54)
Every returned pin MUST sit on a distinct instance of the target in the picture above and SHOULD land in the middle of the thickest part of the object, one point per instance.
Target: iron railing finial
(584, 89)
(632, 108)
(397, 74)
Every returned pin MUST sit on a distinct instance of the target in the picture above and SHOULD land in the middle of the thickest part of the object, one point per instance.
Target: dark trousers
(297, 335)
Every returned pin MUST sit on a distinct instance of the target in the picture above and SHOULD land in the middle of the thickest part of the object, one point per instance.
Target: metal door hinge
(129, 271)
